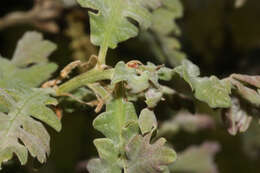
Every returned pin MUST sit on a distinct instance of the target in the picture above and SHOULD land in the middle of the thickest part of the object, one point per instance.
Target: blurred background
(220, 38)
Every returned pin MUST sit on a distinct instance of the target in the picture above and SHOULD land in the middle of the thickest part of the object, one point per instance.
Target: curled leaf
(251, 80)
(236, 118)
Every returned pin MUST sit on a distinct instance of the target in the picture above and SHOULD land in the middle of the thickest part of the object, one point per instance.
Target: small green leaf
(213, 91)
(152, 96)
(117, 117)
(147, 121)
(136, 83)
(188, 71)
(146, 157)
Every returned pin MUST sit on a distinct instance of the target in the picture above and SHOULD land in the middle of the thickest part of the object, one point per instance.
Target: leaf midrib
(13, 120)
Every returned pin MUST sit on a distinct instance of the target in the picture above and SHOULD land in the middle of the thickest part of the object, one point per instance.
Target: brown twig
(42, 16)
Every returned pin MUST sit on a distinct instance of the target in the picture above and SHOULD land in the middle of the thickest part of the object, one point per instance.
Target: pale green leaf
(12, 76)
(101, 166)
(162, 40)
(117, 117)
(188, 71)
(19, 124)
(107, 150)
(153, 96)
(146, 157)
(211, 90)
(111, 24)
(197, 159)
(31, 48)
(147, 121)
(137, 83)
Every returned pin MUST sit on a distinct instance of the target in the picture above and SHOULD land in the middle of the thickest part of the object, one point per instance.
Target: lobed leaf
(111, 24)
(31, 48)
(12, 76)
(20, 124)
(116, 120)
(211, 90)
(162, 38)
(145, 157)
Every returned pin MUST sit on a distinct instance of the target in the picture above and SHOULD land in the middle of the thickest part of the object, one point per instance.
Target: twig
(42, 16)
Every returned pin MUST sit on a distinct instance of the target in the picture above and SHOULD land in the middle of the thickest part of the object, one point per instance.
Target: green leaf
(112, 123)
(31, 48)
(147, 121)
(153, 96)
(211, 90)
(111, 24)
(162, 40)
(102, 166)
(197, 159)
(12, 76)
(107, 150)
(188, 71)
(136, 83)
(146, 157)
(21, 123)
(108, 153)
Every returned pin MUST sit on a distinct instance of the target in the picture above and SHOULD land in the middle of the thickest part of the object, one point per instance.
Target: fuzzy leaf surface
(114, 123)
(147, 121)
(211, 90)
(31, 48)
(146, 157)
(20, 124)
(108, 153)
(12, 76)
